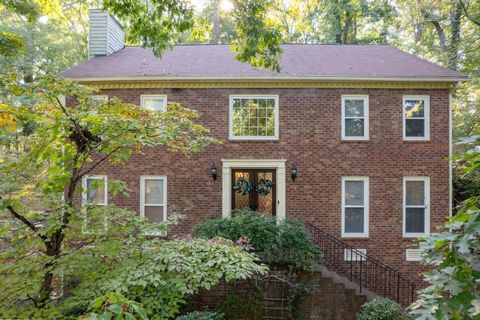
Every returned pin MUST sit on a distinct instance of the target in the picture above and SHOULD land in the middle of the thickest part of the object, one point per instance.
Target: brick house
(355, 138)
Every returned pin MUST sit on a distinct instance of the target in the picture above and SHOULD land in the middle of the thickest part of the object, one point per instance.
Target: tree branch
(99, 162)
(469, 17)
(25, 221)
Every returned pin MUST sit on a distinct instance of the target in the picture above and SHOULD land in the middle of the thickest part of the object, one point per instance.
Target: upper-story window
(416, 202)
(254, 117)
(355, 203)
(95, 190)
(154, 102)
(416, 112)
(355, 117)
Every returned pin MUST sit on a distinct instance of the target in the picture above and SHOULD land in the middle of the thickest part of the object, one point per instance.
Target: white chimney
(106, 34)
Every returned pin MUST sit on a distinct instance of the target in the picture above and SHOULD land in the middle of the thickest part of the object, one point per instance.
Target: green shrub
(201, 315)
(115, 306)
(279, 243)
(381, 309)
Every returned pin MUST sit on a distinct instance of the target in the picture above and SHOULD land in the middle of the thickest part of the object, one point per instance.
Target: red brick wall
(310, 137)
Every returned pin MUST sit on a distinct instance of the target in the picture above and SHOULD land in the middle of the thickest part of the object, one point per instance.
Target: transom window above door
(355, 117)
(153, 102)
(253, 117)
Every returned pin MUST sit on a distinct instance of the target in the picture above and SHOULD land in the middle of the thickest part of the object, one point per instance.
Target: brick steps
(332, 297)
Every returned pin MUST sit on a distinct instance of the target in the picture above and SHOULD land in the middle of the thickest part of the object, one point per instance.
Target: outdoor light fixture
(213, 171)
(293, 172)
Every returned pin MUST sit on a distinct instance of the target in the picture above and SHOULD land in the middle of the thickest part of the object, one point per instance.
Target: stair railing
(367, 272)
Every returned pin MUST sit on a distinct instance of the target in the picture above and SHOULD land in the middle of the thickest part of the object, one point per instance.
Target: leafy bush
(453, 290)
(281, 243)
(202, 315)
(381, 309)
(115, 306)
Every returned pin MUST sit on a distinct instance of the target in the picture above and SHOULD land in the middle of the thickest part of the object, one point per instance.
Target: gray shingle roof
(298, 61)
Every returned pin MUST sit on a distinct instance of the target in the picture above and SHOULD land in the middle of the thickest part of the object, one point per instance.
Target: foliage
(258, 41)
(46, 150)
(381, 309)
(114, 305)
(201, 315)
(454, 283)
(286, 242)
(10, 44)
(465, 184)
(159, 273)
(53, 39)
(156, 24)
(244, 305)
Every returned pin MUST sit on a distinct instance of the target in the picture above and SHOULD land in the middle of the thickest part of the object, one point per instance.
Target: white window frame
(142, 195)
(365, 116)
(99, 97)
(426, 117)
(84, 188)
(143, 97)
(426, 205)
(254, 96)
(366, 192)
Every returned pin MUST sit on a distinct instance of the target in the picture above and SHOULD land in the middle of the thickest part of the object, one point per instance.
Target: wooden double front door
(261, 187)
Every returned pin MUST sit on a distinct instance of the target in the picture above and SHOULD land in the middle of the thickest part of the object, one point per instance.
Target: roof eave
(270, 78)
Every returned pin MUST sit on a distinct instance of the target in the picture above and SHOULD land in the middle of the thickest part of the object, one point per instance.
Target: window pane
(154, 214)
(415, 127)
(414, 108)
(354, 108)
(415, 193)
(95, 191)
(354, 193)
(415, 220)
(154, 191)
(154, 104)
(253, 117)
(354, 220)
(354, 127)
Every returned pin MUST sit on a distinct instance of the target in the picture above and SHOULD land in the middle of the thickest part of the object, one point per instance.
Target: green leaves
(258, 41)
(287, 242)
(114, 306)
(381, 309)
(10, 44)
(156, 24)
(454, 284)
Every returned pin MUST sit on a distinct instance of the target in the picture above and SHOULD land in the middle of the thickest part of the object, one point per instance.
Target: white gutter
(269, 78)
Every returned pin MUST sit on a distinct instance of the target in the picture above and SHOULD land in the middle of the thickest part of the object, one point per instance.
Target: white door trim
(229, 164)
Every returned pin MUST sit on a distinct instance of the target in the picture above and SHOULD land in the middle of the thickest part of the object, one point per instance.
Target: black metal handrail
(367, 272)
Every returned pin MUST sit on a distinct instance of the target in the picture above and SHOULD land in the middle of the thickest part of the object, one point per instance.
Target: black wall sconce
(293, 172)
(213, 171)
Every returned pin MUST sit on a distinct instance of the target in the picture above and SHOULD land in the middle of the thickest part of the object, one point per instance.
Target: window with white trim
(95, 191)
(153, 102)
(253, 117)
(99, 97)
(416, 112)
(355, 117)
(153, 198)
(355, 193)
(416, 202)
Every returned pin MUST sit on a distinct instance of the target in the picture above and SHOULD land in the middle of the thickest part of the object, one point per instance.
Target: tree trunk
(456, 18)
(337, 22)
(216, 21)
